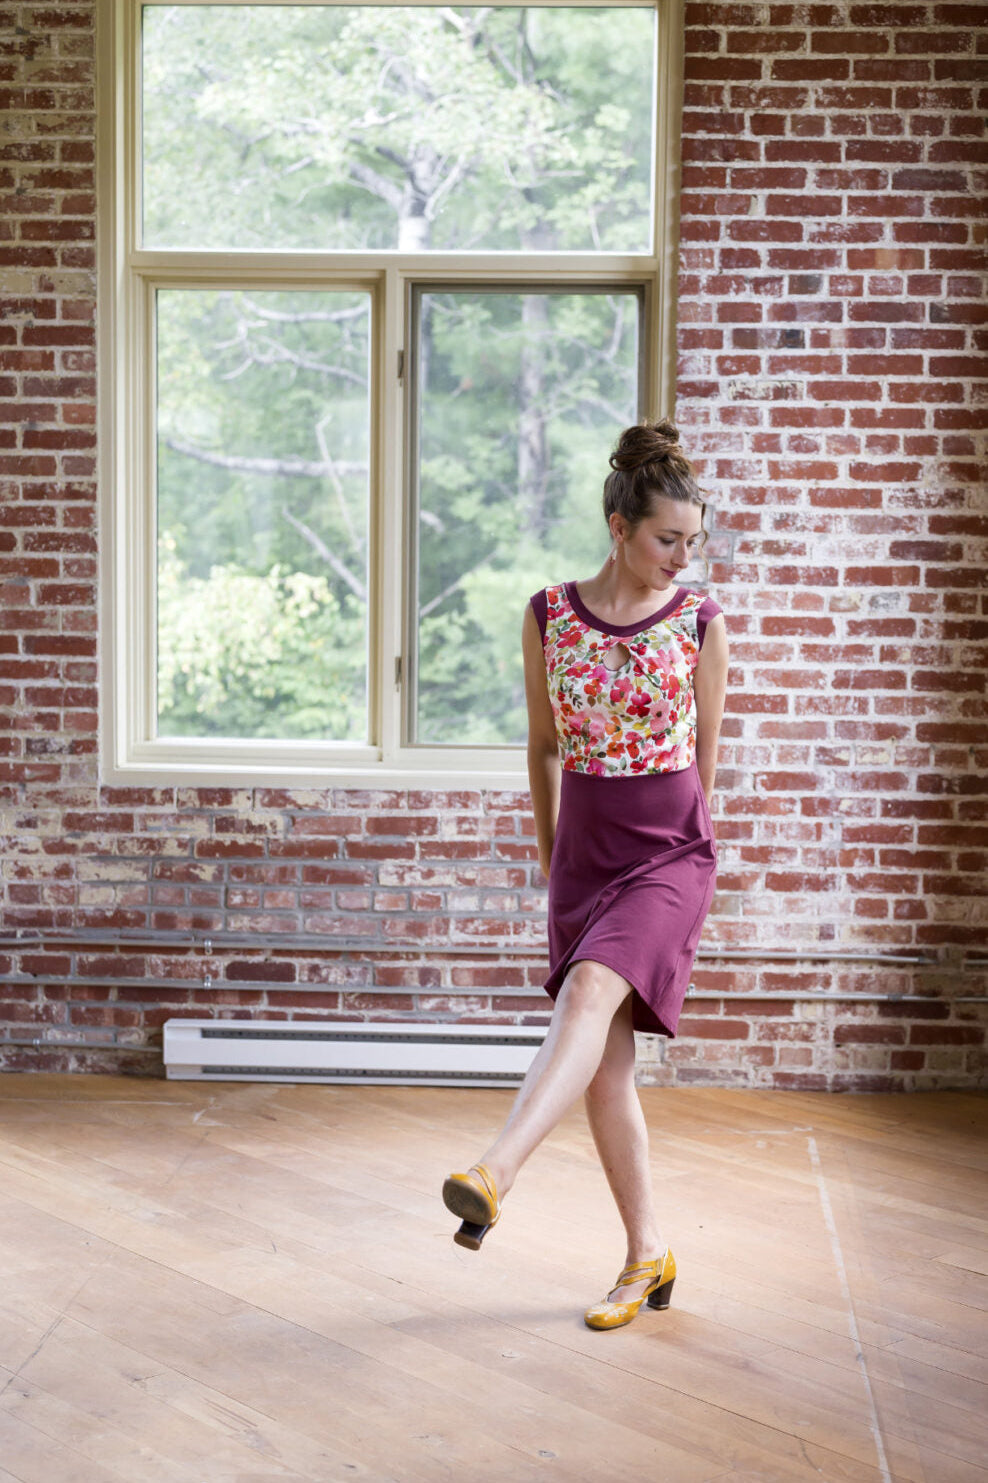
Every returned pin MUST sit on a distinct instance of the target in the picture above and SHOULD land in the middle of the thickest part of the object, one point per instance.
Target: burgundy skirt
(632, 877)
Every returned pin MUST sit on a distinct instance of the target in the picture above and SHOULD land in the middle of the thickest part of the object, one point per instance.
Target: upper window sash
(411, 129)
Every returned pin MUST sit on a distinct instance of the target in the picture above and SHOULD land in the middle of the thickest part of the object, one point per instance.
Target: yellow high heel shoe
(475, 1201)
(661, 1274)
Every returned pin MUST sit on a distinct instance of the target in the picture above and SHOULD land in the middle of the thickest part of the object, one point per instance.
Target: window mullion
(388, 517)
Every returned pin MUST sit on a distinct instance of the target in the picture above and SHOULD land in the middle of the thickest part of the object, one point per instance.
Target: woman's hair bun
(649, 463)
(645, 443)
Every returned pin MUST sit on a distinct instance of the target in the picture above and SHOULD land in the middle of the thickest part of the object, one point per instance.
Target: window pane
(386, 127)
(263, 448)
(520, 399)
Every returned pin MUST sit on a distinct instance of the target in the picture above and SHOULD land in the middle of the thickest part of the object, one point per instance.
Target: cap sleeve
(708, 609)
(540, 606)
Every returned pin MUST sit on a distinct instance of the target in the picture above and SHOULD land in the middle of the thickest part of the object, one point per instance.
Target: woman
(625, 677)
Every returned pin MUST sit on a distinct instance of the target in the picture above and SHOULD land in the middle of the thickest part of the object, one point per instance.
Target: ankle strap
(637, 1271)
(487, 1180)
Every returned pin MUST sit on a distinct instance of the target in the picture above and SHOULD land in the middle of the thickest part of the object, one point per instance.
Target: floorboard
(248, 1283)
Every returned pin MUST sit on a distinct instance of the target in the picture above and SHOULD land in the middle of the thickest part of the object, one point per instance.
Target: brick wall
(828, 333)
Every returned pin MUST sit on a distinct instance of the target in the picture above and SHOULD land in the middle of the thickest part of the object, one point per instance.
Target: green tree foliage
(376, 126)
(263, 432)
(248, 655)
(498, 522)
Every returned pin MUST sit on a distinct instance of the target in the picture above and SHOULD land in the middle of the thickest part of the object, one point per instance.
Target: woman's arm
(543, 749)
(709, 687)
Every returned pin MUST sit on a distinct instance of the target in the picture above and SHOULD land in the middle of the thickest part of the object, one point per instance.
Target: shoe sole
(466, 1202)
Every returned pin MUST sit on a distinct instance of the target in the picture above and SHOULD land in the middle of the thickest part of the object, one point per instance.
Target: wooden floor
(216, 1283)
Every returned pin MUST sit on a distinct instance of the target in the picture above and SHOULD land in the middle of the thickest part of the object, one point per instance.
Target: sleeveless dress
(634, 859)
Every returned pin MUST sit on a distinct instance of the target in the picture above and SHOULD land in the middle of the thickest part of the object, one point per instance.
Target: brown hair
(649, 461)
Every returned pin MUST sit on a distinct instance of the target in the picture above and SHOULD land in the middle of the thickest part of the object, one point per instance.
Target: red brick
(937, 1035)
(852, 1032)
(907, 1060)
(713, 1028)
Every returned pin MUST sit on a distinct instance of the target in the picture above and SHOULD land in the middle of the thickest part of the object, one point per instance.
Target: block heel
(471, 1234)
(662, 1296)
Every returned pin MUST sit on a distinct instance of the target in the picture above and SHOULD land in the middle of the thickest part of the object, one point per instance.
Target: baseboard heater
(405, 1054)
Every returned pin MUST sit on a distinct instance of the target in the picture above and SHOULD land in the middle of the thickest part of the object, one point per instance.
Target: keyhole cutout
(617, 657)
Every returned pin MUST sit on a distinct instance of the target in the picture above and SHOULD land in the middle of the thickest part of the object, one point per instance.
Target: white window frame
(129, 276)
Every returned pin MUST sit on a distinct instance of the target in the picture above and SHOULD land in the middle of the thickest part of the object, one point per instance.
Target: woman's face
(663, 545)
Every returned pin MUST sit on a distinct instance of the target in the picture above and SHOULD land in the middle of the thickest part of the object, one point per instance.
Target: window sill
(237, 764)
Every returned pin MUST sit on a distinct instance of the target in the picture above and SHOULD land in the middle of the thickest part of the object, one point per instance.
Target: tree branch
(296, 468)
(355, 541)
(279, 354)
(319, 545)
(377, 184)
(315, 316)
(448, 591)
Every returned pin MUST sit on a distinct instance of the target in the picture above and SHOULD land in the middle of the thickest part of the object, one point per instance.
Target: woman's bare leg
(563, 1068)
(617, 1123)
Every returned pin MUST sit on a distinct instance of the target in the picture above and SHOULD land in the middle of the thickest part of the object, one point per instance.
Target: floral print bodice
(639, 717)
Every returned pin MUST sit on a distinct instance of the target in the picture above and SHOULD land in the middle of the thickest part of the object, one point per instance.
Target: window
(381, 286)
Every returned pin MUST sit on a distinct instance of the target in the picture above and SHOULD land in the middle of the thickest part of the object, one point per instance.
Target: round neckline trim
(621, 630)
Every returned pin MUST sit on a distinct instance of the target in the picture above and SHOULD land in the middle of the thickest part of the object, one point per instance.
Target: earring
(613, 556)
